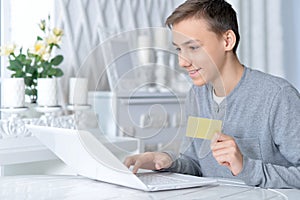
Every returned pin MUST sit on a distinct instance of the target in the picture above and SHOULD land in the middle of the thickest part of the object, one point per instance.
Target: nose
(184, 61)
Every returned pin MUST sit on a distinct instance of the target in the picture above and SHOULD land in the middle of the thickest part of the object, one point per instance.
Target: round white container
(78, 91)
(144, 54)
(161, 38)
(46, 92)
(13, 92)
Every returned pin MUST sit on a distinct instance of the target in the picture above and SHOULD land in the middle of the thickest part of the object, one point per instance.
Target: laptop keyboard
(159, 179)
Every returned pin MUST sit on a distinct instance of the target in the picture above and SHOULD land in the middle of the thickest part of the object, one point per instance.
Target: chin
(199, 82)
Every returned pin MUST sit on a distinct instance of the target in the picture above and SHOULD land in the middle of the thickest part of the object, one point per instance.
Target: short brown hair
(219, 14)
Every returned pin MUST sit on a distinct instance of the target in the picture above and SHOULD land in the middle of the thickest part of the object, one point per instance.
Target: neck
(230, 75)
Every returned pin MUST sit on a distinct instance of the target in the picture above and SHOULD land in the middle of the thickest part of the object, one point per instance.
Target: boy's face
(200, 51)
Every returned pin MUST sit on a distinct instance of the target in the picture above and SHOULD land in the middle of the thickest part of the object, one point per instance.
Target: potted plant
(38, 61)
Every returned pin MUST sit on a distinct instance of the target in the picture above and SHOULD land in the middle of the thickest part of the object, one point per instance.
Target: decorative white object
(160, 72)
(49, 118)
(78, 91)
(161, 38)
(13, 92)
(14, 126)
(47, 92)
(144, 52)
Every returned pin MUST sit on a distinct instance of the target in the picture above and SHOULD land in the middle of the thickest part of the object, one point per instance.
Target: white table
(76, 187)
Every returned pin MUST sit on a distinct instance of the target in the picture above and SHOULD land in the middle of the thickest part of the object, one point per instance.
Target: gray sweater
(262, 114)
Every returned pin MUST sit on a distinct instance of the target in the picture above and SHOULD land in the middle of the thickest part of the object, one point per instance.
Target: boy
(260, 141)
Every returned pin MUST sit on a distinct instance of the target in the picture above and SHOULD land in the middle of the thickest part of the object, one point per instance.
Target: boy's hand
(149, 160)
(227, 153)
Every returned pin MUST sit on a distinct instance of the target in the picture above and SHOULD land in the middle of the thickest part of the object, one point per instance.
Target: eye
(178, 49)
(194, 47)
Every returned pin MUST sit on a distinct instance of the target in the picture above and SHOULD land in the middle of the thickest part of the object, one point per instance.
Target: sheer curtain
(261, 32)
(291, 25)
(83, 20)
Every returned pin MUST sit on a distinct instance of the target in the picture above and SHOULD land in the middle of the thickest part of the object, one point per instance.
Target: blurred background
(269, 29)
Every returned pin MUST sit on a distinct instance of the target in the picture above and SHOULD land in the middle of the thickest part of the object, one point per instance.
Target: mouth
(194, 71)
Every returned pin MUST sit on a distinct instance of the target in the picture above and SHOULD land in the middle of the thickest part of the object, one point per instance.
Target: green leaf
(59, 72)
(12, 68)
(31, 70)
(21, 58)
(30, 92)
(52, 72)
(27, 62)
(44, 74)
(44, 66)
(28, 81)
(39, 38)
(15, 65)
(57, 60)
(30, 55)
(19, 74)
(56, 45)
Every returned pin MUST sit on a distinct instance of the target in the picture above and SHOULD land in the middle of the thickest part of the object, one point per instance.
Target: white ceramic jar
(47, 92)
(13, 92)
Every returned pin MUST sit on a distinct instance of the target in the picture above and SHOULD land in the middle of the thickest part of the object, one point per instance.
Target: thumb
(162, 160)
(158, 166)
(215, 137)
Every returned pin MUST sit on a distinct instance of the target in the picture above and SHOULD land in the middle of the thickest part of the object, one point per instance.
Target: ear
(229, 40)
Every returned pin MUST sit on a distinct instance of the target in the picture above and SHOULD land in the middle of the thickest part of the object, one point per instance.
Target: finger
(226, 164)
(215, 137)
(129, 161)
(222, 152)
(224, 158)
(158, 163)
(218, 137)
(136, 166)
(234, 164)
(230, 155)
(223, 137)
(158, 166)
(223, 145)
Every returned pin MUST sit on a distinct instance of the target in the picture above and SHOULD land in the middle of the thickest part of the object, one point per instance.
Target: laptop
(83, 152)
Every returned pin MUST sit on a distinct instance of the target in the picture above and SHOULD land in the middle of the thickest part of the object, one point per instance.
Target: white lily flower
(52, 39)
(57, 31)
(39, 48)
(45, 56)
(7, 49)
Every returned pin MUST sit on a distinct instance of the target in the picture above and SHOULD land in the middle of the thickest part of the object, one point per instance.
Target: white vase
(46, 92)
(78, 90)
(13, 92)
(144, 53)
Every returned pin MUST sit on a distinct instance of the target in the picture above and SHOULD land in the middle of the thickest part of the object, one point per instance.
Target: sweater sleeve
(186, 162)
(284, 124)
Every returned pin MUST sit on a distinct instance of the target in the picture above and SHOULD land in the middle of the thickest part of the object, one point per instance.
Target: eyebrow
(186, 43)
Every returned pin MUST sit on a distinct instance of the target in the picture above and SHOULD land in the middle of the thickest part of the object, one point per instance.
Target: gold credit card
(202, 127)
